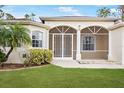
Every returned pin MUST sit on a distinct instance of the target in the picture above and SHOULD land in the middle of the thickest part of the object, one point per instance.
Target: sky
(54, 10)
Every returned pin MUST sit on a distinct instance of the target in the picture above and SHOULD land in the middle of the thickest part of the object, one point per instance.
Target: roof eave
(78, 19)
(115, 26)
(24, 22)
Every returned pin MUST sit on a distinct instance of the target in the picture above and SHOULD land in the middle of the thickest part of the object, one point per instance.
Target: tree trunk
(9, 52)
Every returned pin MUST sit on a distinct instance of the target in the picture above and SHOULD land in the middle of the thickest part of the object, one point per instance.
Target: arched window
(37, 39)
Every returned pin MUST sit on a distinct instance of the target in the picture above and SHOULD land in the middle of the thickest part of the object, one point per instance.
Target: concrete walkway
(75, 64)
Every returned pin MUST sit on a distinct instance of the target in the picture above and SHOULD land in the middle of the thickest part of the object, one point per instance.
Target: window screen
(88, 43)
(37, 39)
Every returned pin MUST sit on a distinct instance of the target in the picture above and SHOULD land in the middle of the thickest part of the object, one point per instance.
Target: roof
(115, 26)
(78, 18)
(24, 22)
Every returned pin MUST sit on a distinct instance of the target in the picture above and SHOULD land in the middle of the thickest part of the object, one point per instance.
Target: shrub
(2, 56)
(47, 56)
(38, 56)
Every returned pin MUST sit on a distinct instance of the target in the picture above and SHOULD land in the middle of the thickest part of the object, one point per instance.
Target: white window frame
(37, 39)
(82, 37)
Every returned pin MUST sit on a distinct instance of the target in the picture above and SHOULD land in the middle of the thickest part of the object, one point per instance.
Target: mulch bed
(15, 66)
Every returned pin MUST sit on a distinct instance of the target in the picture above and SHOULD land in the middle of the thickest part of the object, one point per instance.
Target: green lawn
(53, 76)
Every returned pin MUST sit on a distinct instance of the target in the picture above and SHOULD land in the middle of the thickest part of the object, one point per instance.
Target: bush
(47, 56)
(38, 56)
(2, 56)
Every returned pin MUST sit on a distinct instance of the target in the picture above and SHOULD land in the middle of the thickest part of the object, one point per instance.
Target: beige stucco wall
(94, 55)
(116, 44)
(122, 62)
(16, 55)
(102, 42)
(75, 24)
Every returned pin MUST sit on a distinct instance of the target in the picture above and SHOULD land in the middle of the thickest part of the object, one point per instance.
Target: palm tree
(4, 14)
(9, 16)
(30, 16)
(1, 13)
(14, 35)
(27, 16)
(103, 12)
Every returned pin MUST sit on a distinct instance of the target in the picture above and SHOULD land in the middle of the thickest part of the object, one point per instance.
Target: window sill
(37, 47)
(88, 50)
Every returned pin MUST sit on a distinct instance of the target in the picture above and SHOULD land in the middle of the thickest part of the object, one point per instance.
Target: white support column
(122, 55)
(62, 45)
(47, 38)
(78, 54)
(122, 61)
(110, 47)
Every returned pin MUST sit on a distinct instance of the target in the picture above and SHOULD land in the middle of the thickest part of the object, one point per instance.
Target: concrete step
(96, 62)
(63, 60)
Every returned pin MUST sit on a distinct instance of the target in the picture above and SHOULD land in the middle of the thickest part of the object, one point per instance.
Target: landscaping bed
(35, 57)
(16, 66)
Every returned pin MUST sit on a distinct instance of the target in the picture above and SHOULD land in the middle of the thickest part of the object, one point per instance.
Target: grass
(52, 76)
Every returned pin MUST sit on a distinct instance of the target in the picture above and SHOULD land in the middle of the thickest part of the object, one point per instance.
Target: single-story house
(75, 38)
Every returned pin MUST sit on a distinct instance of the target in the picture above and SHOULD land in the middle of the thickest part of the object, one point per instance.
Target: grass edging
(1, 70)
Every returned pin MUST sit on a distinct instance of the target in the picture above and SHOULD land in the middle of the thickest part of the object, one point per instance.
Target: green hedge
(38, 56)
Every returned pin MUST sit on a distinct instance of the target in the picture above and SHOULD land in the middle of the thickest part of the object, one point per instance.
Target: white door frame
(62, 46)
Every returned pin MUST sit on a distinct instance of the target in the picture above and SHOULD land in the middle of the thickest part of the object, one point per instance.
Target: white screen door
(67, 46)
(57, 45)
(62, 46)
